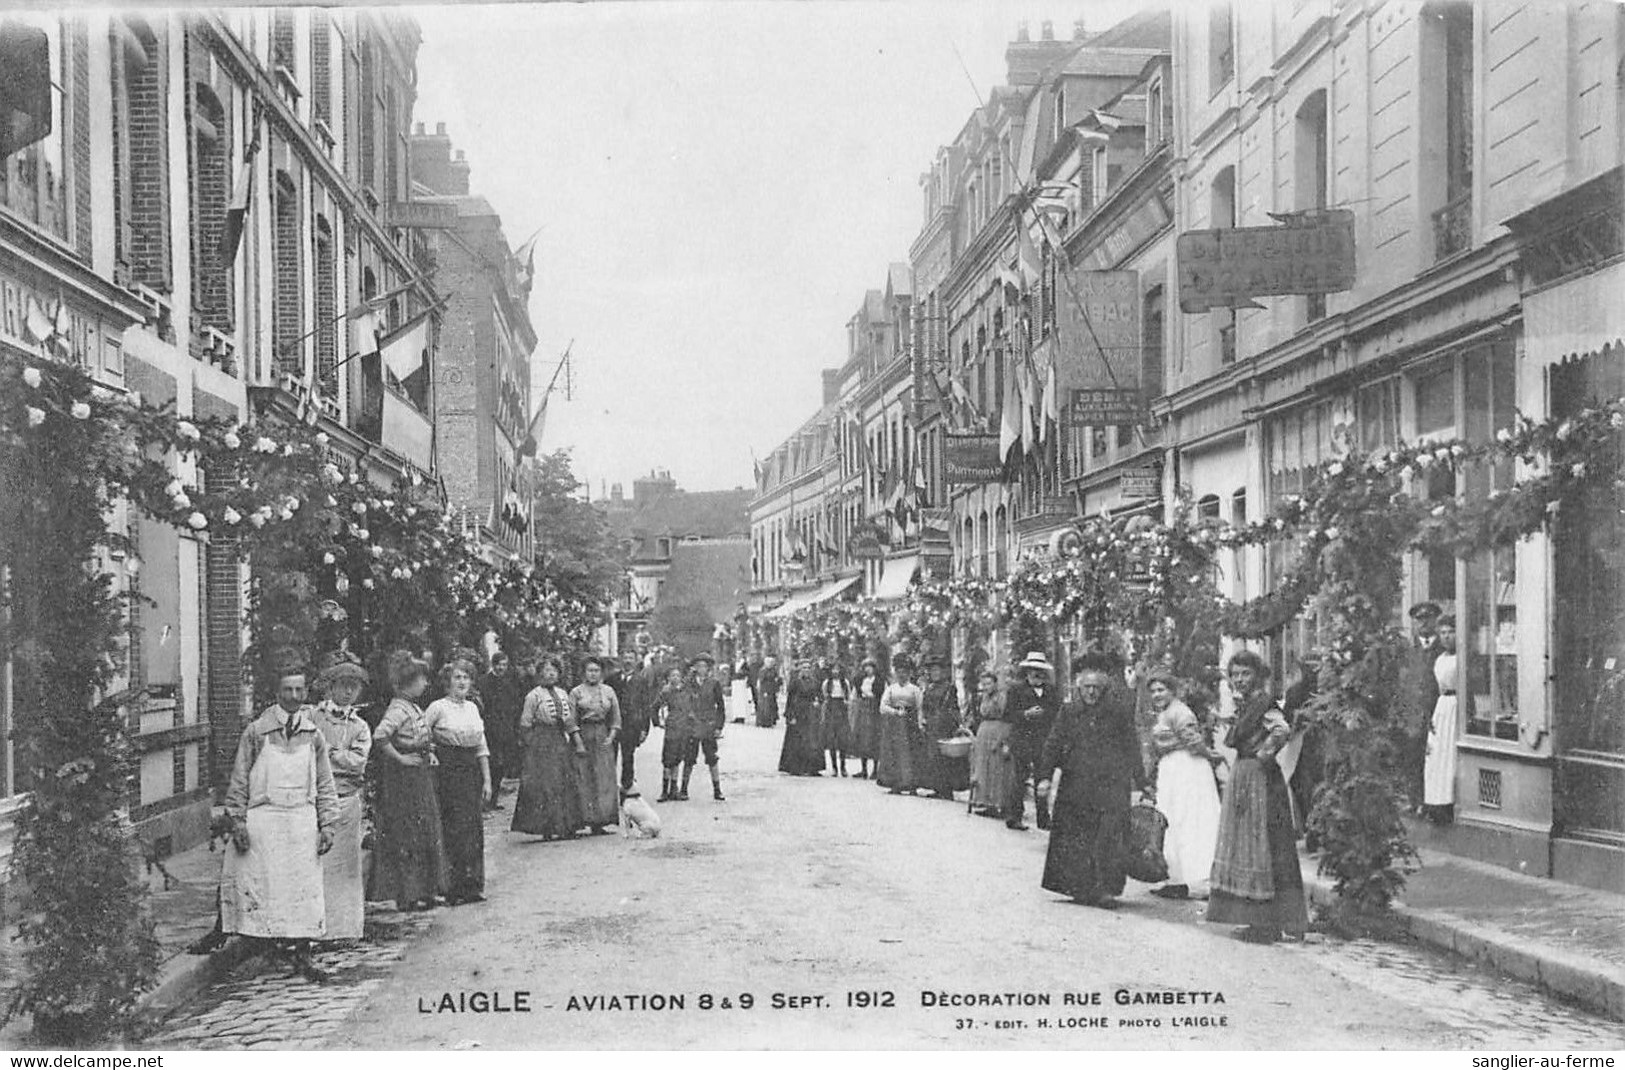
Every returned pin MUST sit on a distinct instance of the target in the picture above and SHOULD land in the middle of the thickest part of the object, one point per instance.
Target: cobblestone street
(260, 1005)
(783, 866)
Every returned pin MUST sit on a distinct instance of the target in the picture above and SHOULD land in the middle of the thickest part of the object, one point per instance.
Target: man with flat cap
(1418, 692)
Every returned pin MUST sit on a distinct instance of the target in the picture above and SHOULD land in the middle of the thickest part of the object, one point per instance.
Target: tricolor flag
(231, 231)
(406, 352)
(525, 259)
(1052, 404)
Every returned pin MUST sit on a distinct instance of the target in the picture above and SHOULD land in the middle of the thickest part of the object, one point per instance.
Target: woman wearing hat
(598, 712)
(349, 742)
(1031, 705)
(939, 719)
(864, 738)
(1256, 881)
(899, 714)
(803, 752)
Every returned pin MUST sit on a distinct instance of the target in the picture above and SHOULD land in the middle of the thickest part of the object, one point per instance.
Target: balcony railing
(1453, 227)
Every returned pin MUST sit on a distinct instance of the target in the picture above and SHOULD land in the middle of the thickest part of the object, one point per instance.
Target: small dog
(638, 818)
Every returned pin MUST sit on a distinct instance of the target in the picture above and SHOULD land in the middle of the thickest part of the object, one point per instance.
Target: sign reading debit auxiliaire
(1227, 268)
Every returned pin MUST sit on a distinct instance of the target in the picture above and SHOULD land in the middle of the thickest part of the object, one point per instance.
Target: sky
(716, 186)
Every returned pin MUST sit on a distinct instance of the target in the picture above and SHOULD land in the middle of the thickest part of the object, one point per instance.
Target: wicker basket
(957, 747)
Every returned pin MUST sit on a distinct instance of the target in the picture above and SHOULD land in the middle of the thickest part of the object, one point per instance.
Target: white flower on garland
(1617, 421)
(256, 520)
(284, 514)
(1332, 533)
(1564, 430)
(231, 516)
(287, 449)
(174, 487)
(231, 440)
(181, 501)
(367, 583)
(411, 511)
(31, 376)
(35, 416)
(292, 503)
(329, 559)
(1578, 471)
(363, 534)
(80, 411)
(197, 521)
(359, 508)
(354, 479)
(187, 430)
(321, 438)
(264, 445)
(377, 551)
(331, 473)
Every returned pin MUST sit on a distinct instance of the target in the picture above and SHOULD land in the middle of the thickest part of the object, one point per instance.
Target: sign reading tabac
(1097, 331)
(972, 459)
(1226, 268)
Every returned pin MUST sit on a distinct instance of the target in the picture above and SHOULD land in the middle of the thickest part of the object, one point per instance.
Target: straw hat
(1036, 660)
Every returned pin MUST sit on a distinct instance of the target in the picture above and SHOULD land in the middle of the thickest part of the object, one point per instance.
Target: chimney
(431, 160)
(457, 175)
(616, 495)
(832, 385)
(1080, 32)
(1026, 60)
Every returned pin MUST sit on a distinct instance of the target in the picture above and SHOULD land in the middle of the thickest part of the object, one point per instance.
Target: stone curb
(1594, 985)
(185, 975)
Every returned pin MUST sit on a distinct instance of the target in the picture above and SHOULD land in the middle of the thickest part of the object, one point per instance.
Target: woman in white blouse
(463, 780)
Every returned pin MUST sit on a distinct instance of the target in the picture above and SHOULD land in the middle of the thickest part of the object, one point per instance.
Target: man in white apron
(283, 806)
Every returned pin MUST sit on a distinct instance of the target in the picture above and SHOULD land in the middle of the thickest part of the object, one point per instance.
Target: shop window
(1471, 395)
(1378, 413)
(33, 147)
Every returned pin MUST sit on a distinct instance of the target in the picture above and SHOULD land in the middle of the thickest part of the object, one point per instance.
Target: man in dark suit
(1030, 705)
(635, 687)
(1419, 691)
(503, 693)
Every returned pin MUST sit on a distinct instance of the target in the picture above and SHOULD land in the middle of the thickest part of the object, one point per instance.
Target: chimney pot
(419, 128)
(459, 154)
(440, 129)
(1022, 34)
(1047, 30)
(1079, 30)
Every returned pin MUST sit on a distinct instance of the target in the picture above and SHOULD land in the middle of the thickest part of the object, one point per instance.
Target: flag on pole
(1009, 415)
(306, 410)
(1028, 262)
(1029, 404)
(39, 325)
(1052, 404)
(533, 433)
(406, 352)
(231, 231)
(525, 258)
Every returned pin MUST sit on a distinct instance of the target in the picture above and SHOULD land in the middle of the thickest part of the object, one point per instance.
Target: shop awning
(805, 599)
(898, 575)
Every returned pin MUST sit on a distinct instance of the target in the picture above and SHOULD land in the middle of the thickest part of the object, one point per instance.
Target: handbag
(1146, 828)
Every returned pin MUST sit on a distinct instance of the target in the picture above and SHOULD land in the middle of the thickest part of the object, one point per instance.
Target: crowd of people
(1220, 783)
(313, 785)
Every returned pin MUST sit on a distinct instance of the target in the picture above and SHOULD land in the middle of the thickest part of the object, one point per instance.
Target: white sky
(718, 184)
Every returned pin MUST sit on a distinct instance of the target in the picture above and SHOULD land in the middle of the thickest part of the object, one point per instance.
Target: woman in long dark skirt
(410, 857)
(1256, 880)
(803, 752)
(899, 717)
(1094, 745)
(863, 736)
(463, 780)
(549, 803)
(837, 722)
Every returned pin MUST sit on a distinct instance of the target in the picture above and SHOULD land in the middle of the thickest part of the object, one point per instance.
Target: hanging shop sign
(1096, 344)
(972, 459)
(866, 544)
(419, 215)
(1226, 268)
(1144, 481)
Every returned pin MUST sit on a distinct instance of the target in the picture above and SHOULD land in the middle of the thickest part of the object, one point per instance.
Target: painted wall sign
(1097, 345)
(1105, 408)
(972, 459)
(1230, 266)
(1142, 482)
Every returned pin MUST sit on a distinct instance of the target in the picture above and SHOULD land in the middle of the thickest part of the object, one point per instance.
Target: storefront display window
(34, 178)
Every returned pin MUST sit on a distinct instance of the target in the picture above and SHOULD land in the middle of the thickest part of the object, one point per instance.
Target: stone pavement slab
(1566, 939)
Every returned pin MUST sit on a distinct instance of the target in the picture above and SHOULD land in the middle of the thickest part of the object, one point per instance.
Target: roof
(470, 204)
(1151, 28)
(1113, 62)
(899, 280)
(711, 514)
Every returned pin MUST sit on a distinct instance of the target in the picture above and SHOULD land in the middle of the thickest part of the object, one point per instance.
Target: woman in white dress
(1186, 793)
(1439, 771)
(740, 702)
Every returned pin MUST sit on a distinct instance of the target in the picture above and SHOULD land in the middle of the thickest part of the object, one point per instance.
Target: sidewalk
(1566, 939)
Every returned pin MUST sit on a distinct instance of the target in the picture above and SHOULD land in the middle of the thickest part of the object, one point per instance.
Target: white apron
(343, 880)
(274, 889)
(1439, 771)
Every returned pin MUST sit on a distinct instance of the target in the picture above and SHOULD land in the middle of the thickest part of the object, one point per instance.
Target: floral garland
(333, 555)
